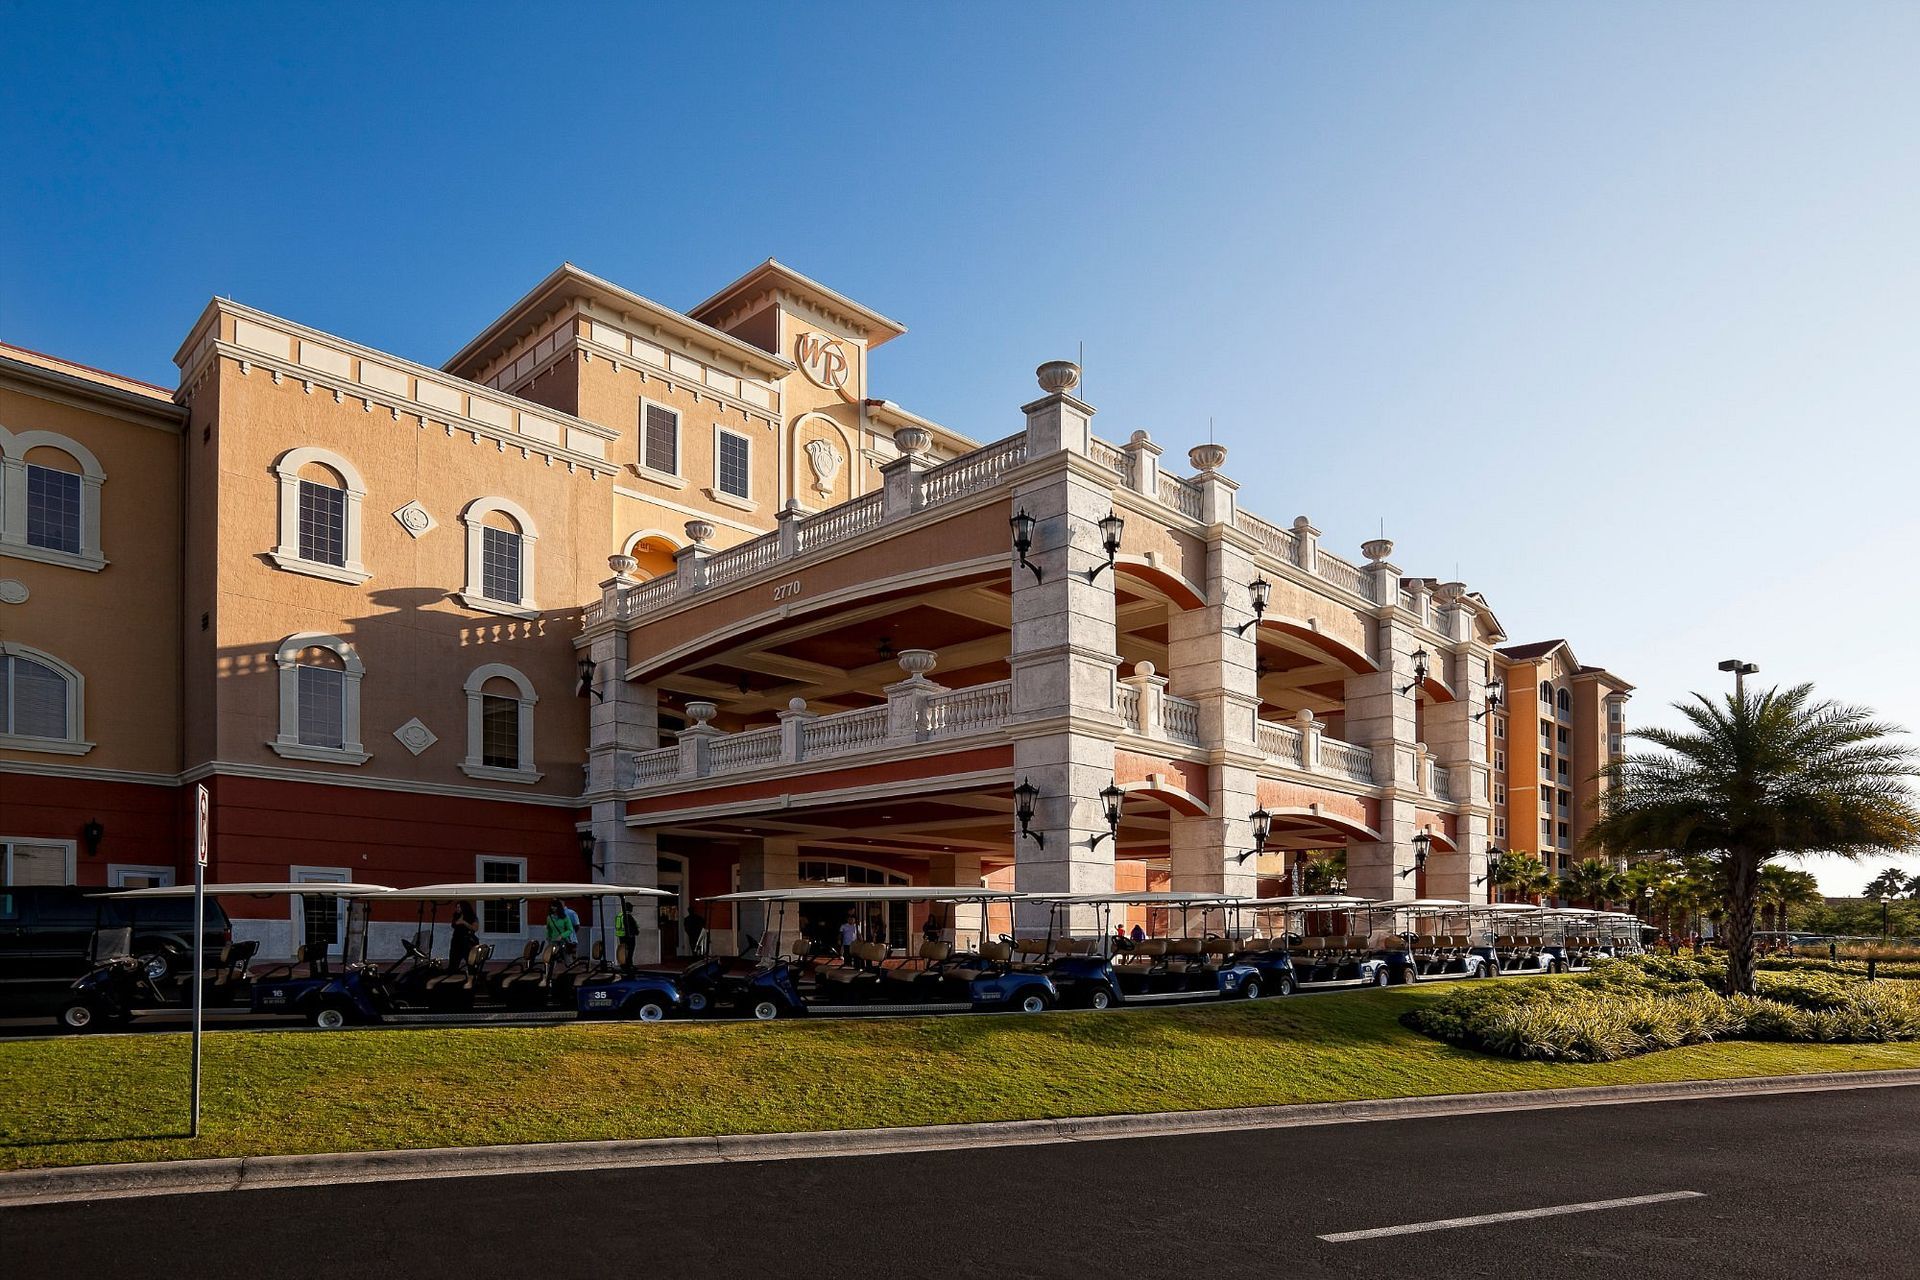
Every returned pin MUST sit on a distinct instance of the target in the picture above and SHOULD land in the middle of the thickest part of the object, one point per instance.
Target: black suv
(46, 939)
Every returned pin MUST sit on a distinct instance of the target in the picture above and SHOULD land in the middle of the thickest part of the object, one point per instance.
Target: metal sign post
(199, 940)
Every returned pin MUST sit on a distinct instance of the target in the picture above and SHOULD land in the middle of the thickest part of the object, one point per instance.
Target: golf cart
(1513, 936)
(1100, 971)
(1437, 939)
(1573, 938)
(1323, 941)
(940, 974)
(307, 986)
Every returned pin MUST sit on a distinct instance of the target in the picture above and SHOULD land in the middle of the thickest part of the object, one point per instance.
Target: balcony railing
(1304, 747)
(1346, 760)
(1182, 719)
(1442, 782)
(1284, 743)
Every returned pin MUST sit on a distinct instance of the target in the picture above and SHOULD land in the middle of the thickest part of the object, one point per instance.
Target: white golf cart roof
(1156, 898)
(508, 892)
(869, 893)
(261, 889)
(1510, 906)
(1427, 904)
(1315, 902)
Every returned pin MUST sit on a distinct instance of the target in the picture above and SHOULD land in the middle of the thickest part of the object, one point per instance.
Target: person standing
(560, 934)
(626, 935)
(466, 935)
(573, 918)
(696, 933)
(849, 934)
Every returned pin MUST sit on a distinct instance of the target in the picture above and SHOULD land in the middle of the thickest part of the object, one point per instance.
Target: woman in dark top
(466, 933)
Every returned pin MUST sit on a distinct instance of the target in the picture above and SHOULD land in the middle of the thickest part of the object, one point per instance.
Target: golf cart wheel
(1035, 1002)
(697, 1002)
(330, 1017)
(765, 1010)
(1285, 985)
(1100, 999)
(79, 1016)
(1382, 978)
(163, 963)
(1250, 989)
(648, 1009)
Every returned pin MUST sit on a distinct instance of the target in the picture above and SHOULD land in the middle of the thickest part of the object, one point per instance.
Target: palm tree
(1890, 883)
(1595, 881)
(1782, 889)
(1324, 871)
(1759, 776)
(1512, 869)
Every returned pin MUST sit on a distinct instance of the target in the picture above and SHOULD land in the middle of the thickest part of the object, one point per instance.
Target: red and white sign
(200, 824)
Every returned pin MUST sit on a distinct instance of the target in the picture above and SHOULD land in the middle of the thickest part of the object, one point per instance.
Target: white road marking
(1517, 1215)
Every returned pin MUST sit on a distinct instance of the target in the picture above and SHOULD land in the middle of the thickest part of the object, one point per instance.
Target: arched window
(319, 700)
(652, 552)
(500, 538)
(320, 498)
(1565, 701)
(50, 500)
(1546, 692)
(500, 704)
(40, 703)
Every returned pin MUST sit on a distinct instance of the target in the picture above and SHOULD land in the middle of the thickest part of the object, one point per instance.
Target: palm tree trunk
(1743, 877)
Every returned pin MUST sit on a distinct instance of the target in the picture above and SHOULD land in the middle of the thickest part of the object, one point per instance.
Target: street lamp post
(1741, 670)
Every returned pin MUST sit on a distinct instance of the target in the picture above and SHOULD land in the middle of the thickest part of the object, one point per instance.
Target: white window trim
(676, 478)
(287, 743)
(287, 553)
(72, 848)
(296, 909)
(75, 743)
(472, 765)
(474, 518)
(14, 447)
(117, 873)
(720, 495)
(479, 877)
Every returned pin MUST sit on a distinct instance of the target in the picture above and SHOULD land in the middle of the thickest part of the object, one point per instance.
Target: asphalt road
(1799, 1185)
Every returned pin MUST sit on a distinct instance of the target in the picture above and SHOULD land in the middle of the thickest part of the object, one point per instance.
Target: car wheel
(765, 1010)
(1382, 978)
(79, 1016)
(1100, 999)
(1035, 1002)
(696, 1002)
(1250, 988)
(330, 1017)
(648, 1009)
(1286, 986)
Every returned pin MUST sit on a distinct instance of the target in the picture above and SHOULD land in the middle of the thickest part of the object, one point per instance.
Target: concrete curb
(255, 1173)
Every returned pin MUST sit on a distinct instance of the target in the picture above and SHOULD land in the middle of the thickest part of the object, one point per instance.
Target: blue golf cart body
(647, 997)
(325, 999)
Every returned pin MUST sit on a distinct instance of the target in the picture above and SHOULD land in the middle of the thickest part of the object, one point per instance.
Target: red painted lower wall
(141, 824)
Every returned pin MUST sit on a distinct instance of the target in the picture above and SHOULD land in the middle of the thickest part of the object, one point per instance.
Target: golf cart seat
(909, 970)
(867, 956)
(311, 954)
(991, 954)
(1074, 946)
(233, 957)
(1256, 944)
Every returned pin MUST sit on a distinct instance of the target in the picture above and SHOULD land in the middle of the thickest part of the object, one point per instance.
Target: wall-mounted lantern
(1022, 525)
(1259, 591)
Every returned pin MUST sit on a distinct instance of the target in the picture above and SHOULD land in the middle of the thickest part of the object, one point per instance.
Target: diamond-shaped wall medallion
(415, 519)
(415, 736)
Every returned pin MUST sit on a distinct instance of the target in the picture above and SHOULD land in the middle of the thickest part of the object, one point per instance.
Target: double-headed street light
(1741, 670)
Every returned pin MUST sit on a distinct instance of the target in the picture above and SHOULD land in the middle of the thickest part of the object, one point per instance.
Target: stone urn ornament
(1057, 376)
(1207, 457)
(912, 440)
(699, 532)
(702, 712)
(1377, 549)
(622, 566)
(917, 662)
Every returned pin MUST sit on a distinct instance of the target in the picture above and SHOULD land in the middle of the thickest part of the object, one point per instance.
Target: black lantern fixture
(1110, 797)
(1262, 828)
(1259, 591)
(1496, 694)
(1494, 852)
(1419, 671)
(91, 835)
(1022, 525)
(584, 686)
(1422, 846)
(588, 846)
(1111, 527)
(1024, 796)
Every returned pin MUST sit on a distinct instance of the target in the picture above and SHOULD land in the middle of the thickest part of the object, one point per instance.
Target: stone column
(1063, 652)
(623, 718)
(954, 869)
(1381, 717)
(1211, 661)
(772, 863)
(1459, 742)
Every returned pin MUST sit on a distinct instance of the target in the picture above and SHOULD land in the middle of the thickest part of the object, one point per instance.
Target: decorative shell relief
(825, 461)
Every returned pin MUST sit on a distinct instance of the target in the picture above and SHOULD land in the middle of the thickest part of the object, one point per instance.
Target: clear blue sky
(1611, 306)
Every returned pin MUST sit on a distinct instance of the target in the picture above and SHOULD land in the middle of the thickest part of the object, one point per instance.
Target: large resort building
(670, 598)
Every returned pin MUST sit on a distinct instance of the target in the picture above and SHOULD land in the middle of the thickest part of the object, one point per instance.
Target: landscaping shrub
(1643, 1004)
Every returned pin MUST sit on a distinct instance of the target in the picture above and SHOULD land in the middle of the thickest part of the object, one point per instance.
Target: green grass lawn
(80, 1101)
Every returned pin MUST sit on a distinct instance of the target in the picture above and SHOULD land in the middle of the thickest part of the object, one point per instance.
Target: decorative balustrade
(1342, 574)
(748, 557)
(656, 766)
(1344, 759)
(1181, 719)
(1126, 703)
(967, 710)
(1279, 543)
(1442, 782)
(1112, 457)
(1284, 743)
(737, 751)
(971, 472)
(848, 731)
(837, 524)
(1182, 495)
